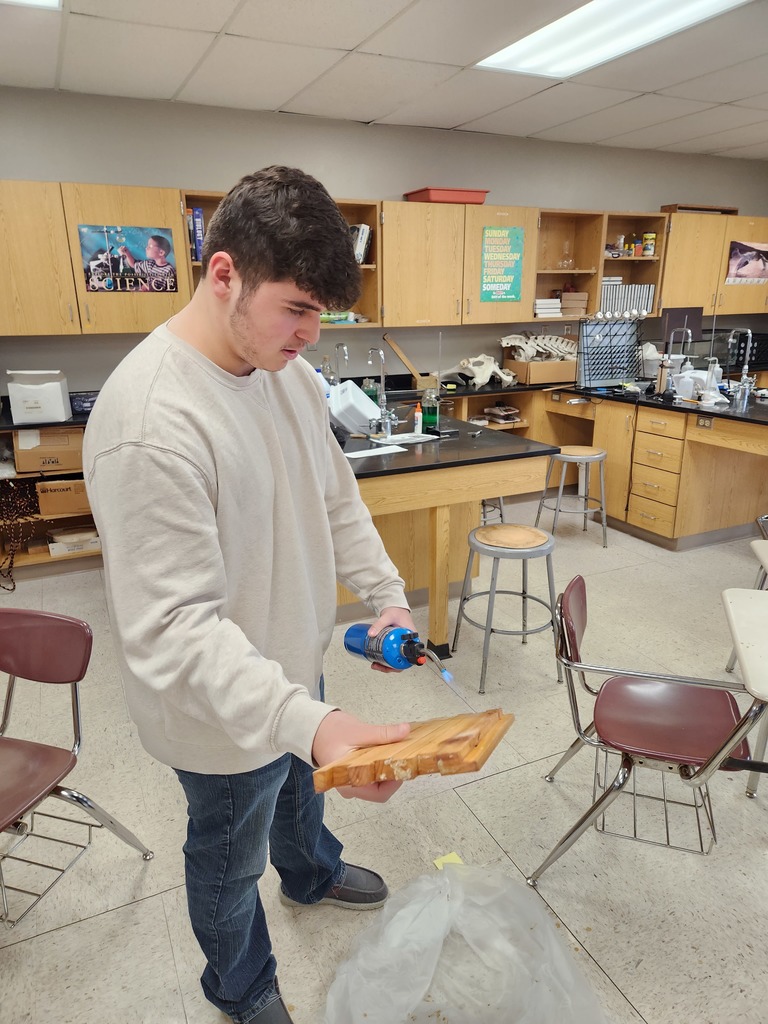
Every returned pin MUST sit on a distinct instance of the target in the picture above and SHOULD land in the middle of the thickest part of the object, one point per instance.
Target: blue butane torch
(395, 647)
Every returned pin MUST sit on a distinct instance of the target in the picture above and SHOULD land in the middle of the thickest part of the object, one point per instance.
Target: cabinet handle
(720, 299)
(87, 312)
(647, 483)
(645, 515)
(69, 307)
(714, 299)
(423, 321)
(469, 306)
(458, 307)
(659, 423)
(627, 423)
(651, 451)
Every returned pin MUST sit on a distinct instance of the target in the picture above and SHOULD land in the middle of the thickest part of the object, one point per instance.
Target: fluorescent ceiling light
(600, 31)
(54, 5)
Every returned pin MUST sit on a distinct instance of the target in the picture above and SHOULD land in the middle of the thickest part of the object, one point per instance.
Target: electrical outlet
(555, 396)
(567, 328)
(705, 422)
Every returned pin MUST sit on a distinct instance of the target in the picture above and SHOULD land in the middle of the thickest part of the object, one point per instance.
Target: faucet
(386, 418)
(685, 344)
(341, 347)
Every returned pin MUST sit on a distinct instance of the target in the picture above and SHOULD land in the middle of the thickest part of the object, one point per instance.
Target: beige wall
(69, 137)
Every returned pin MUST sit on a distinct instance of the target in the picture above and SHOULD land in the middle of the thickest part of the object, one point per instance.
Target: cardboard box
(58, 448)
(38, 396)
(72, 542)
(62, 497)
(549, 371)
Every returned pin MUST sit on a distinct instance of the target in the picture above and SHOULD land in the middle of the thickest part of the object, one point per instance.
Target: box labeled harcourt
(56, 448)
(62, 497)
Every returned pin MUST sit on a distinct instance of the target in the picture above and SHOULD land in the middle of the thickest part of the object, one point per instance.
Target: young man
(227, 512)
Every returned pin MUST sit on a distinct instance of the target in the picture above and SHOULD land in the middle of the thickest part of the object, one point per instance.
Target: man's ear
(224, 279)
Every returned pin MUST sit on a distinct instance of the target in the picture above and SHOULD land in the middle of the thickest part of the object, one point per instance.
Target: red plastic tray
(447, 195)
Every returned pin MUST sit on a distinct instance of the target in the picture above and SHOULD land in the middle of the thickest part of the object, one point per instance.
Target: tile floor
(664, 937)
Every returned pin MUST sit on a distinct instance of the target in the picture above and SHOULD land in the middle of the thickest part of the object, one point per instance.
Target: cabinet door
(745, 264)
(37, 295)
(423, 246)
(692, 262)
(614, 430)
(499, 264)
(126, 310)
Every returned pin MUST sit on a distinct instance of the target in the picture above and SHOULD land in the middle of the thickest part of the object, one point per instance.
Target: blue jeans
(232, 821)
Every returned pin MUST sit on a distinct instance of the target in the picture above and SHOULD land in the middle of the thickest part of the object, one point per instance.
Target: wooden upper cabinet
(126, 311)
(692, 262)
(37, 295)
(744, 263)
(423, 256)
(499, 260)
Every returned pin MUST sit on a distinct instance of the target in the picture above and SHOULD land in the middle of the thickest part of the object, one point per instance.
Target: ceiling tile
(457, 32)
(738, 35)
(363, 87)
(726, 85)
(555, 106)
(469, 94)
(758, 152)
(116, 59)
(748, 135)
(254, 75)
(205, 15)
(29, 43)
(637, 113)
(692, 126)
(340, 24)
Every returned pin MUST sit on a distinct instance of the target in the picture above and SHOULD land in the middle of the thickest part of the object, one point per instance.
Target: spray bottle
(394, 647)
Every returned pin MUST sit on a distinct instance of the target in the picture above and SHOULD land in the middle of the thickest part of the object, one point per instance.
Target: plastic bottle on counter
(326, 385)
(417, 418)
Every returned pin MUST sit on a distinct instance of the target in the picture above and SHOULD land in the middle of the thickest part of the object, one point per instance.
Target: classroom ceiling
(403, 62)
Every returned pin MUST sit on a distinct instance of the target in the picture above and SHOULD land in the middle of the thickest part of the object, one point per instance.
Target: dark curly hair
(280, 224)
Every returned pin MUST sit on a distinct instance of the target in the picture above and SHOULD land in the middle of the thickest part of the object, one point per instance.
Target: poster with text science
(127, 259)
(501, 270)
(747, 263)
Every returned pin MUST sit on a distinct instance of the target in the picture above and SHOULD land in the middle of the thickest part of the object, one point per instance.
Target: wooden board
(444, 746)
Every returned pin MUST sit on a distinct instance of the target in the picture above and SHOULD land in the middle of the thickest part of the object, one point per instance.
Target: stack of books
(502, 414)
(546, 308)
(574, 304)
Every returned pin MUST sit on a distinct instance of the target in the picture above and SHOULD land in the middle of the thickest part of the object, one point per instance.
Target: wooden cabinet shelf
(519, 425)
(41, 558)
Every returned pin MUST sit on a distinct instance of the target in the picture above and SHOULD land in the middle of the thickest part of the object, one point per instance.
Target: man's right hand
(340, 733)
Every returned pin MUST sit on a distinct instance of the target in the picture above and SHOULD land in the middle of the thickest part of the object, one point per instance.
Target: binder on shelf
(190, 231)
(199, 229)
(361, 241)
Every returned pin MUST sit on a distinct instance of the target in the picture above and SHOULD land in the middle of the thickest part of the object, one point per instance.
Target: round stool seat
(510, 535)
(580, 453)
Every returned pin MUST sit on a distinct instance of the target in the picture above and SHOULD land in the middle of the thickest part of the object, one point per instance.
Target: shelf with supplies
(199, 206)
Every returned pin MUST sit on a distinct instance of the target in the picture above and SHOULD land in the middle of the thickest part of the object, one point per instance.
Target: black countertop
(755, 412)
(461, 450)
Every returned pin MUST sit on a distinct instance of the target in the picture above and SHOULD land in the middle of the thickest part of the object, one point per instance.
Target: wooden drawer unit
(656, 484)
(659, 421)
(659, 451)
(652, 516)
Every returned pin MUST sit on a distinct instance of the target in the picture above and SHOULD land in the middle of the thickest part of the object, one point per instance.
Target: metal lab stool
(580, 455)
(507, 540)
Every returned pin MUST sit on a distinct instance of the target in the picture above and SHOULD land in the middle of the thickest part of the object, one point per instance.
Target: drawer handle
(652, 451)
(659, 423)
(645, 515)
(645, 483)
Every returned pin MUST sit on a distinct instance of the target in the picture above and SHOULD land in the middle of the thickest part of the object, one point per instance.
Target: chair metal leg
(524, 596)
(489, 623)
(622, 777)
(586, 495)
(574, 748)
(501, 508)
(563, 471)
(759, 755)
(81, 800)
(462, 599)
(552, 605)
(601, 467)
(550, 467)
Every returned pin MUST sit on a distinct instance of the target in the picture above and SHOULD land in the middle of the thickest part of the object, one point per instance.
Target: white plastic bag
(465, 945)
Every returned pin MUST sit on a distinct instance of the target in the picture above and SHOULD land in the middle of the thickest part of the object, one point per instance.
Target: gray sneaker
(362, 889)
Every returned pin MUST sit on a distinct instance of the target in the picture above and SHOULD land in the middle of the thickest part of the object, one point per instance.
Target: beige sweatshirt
(226, 511)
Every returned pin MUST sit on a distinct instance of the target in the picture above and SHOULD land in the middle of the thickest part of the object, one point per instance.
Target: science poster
(747, 263)
(127, 259)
